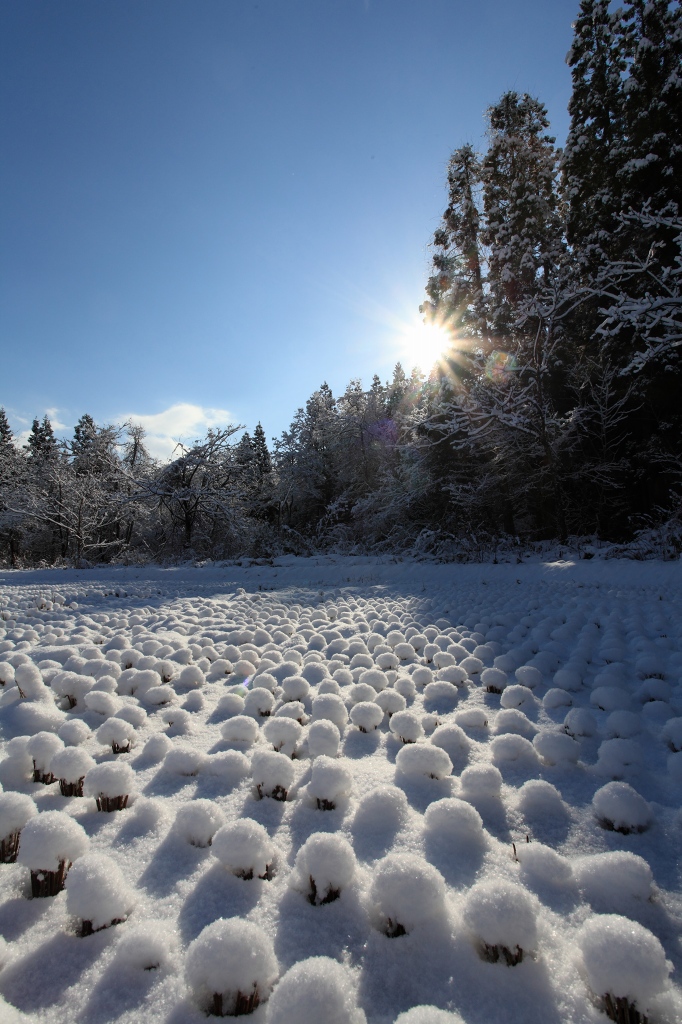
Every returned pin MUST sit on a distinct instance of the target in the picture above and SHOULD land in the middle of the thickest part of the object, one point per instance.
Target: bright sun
(423, 344)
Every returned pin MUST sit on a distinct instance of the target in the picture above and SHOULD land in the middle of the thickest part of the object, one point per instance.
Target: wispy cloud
(53, 417)
(180, 422)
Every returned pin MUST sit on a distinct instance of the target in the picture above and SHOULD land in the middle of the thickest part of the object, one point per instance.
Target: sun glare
(423, 344)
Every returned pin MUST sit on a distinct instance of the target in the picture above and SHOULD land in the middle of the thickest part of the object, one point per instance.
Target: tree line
(555, 411)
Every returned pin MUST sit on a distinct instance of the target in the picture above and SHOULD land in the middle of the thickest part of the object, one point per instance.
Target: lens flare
(423, 343)
(499, 365)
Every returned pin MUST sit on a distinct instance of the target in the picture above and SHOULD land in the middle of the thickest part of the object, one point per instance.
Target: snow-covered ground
(482, 813)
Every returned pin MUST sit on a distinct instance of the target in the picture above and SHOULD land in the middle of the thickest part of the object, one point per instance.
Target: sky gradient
(211, 206)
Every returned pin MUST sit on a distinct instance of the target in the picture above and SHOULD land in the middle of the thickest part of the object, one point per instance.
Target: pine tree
(6, 436)
(592, 155)
(262, 455)
(41, 444)
(523, 229)
(456, 289)
(84, 435)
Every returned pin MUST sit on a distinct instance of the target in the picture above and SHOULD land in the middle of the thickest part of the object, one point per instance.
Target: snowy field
(459, 783)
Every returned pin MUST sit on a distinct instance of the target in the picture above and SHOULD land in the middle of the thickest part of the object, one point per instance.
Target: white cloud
(180, 422)
(53, 417)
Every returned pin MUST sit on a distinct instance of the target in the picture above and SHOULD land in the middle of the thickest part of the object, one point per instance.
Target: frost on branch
(624, 964)
(316, 991)
(97, 894)
(48, 845)
(231, 967)
(325, 864)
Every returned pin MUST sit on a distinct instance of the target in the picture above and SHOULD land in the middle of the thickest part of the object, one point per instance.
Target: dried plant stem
(47, 778)
(71, 788)
(316, 899)
(9, 848)
(49, 883)
(394, 928)
(243, 1004)
(111, 803)
(495, 953)
(623, 1012)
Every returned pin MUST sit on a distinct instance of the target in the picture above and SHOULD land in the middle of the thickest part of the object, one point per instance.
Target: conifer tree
(6, 436)
(41, 444)
(261, 453)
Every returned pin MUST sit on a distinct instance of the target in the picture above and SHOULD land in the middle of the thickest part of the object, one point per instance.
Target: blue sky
(211, 206)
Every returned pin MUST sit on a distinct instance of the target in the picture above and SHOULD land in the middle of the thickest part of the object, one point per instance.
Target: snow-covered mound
(341, 791)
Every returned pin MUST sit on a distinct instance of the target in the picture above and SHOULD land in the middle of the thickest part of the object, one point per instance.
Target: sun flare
(424, 343)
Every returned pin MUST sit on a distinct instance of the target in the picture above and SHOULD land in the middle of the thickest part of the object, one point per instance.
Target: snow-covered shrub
(42, 747)
(284, 734)
(556, 747)
(556, 698)
(324, 866)
(539, 799)
(29, 682)
(156, 747)
(452, 739)
(674, 765)
(441, 691)
(6, 674)
(516, 696)
(404, 686)
(245, 848)
(367, 715)
(184, 760)
(331, 707)
(101, 703)
(541, 865)
(49, 843)
(472, 666)
(158, 696)
(455, 820)
(361, 693)
(472, 718)
(568, 679)
(15, 810)
(622, 725)
(406, 892)
(422, 675)
(616, 756)
(231, 967)
(428, 1015)
(178, 720)
(272, 774)
(259, 702)
(613, 879)
(672, 733)
(511, 747)
(240, 729)
(133, 714)
(383, 809)
(295, 688)
(191, 678)
(315, 672)
(387, 661)
(423, 760)
(111, 785)
(315, 991)
(502, 918)
(406, 726)
(230, 704)
(266, 681)
(323, 738)
(375, 678)
(230, 766)
(454, 674)
(105, 683)
(390, 701)
(610, 698)
(70, 766)
(146, 947)
(620, 808)
(529, 676)
(494, 680)
(624, 965)
(480, 781)
(512, 720)
(579, 722)
(330, 782)
(198, 821)
(97, 894)
(117, 734)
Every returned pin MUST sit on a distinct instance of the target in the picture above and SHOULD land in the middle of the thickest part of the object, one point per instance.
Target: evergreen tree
(6, 436)
(592, 155)
(523, 229)
(261, 453)
(41, 444)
